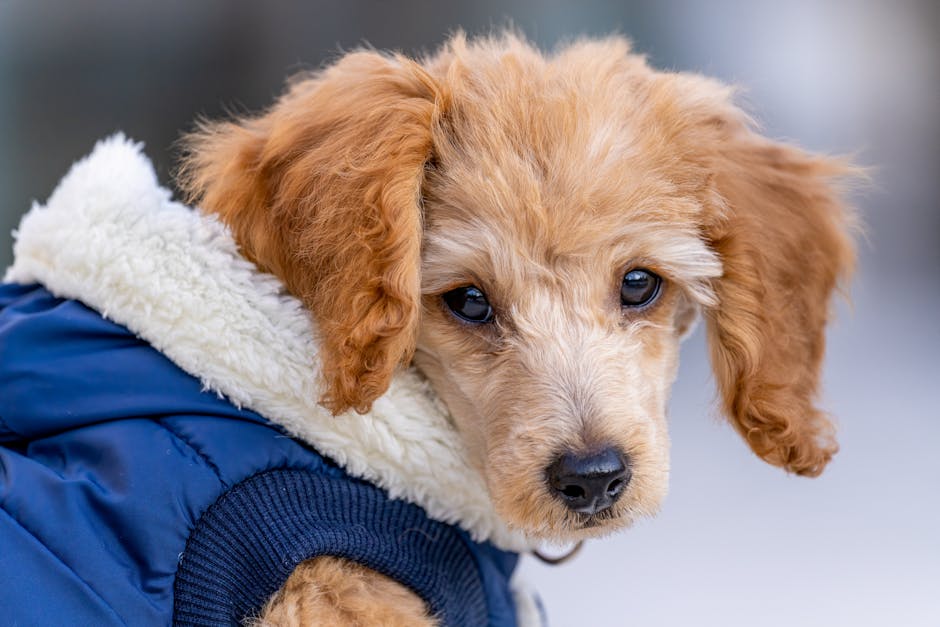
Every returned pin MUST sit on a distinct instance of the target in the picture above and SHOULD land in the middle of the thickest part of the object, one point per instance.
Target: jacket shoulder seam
(195, 449)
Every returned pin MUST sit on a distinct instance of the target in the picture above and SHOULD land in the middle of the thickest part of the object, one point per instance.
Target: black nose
(589, 483)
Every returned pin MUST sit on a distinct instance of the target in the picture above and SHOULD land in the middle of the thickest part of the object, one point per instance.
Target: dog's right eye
(469, 303)
(640, 287)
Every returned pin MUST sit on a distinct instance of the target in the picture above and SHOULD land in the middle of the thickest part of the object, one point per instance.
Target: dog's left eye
(469, 303)
(640, 287)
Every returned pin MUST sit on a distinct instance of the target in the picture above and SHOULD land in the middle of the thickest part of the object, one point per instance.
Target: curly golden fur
(334, 591)
(381, 183)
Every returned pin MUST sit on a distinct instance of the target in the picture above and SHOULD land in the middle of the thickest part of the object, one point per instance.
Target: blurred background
(737, 542)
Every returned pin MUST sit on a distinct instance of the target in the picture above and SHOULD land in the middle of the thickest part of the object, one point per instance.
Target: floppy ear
(323, 191)
(782, 238)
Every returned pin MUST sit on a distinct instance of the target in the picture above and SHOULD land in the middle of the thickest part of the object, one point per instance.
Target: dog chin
(567, 527)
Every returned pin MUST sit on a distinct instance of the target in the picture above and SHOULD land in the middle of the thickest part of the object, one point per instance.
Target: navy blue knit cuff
(247, 544)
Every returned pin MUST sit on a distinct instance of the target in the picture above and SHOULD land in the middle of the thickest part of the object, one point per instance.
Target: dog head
(538, 233)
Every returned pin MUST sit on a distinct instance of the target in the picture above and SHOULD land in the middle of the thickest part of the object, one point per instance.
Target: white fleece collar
(110, 237)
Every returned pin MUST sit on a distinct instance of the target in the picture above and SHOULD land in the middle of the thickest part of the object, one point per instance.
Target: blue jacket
(128, 495)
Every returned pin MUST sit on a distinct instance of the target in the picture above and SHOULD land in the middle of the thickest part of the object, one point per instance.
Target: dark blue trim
(246, 545)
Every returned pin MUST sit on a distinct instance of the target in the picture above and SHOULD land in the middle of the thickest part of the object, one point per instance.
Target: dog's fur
(379, 184)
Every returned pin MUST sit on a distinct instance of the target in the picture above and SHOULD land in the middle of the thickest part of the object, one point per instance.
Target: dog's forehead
(582, 194)
(556, 152)
(508, 226)
(544, 166)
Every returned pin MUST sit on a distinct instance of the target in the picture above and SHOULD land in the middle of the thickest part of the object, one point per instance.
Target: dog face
(545, 226)
(540, 232)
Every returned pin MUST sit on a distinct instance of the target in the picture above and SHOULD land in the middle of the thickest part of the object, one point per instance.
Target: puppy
(536, 234)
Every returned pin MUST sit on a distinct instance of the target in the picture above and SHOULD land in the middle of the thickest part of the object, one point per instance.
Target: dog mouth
(596, 520)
